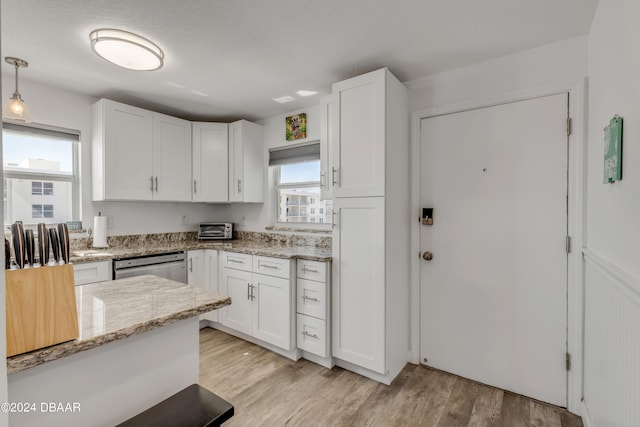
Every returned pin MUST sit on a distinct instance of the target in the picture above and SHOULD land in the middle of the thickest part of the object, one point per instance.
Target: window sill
(299, 229)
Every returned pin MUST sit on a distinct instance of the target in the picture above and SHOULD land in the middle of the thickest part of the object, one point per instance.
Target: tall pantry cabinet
(370, 186)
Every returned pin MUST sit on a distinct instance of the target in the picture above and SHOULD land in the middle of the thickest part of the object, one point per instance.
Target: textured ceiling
(227, 59)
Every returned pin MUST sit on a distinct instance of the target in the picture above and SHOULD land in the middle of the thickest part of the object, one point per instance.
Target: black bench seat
(194, 406)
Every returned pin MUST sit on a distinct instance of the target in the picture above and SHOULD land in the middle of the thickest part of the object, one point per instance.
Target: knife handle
(55, 245)
(63, 235)
(7, 255)
(43, 243)
(29, 246)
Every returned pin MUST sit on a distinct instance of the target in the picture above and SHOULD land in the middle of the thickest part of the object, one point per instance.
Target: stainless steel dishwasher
(169, 265)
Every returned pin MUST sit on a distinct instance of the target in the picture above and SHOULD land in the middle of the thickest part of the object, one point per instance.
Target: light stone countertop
(269, 249)
(114, 310)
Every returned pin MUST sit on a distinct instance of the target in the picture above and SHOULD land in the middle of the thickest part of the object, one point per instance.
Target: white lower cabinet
(313, 309)
(91, 272)
(202, 271)
(261, 297)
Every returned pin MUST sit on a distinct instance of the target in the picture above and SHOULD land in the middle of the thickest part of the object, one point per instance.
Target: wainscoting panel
(611, 344)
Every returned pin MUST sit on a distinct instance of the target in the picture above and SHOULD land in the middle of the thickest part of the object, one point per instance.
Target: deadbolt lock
(427, 256)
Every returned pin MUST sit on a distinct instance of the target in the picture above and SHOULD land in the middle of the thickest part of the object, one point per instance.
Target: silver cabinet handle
(322, 180)
(273, 267)
(151, 180)
(156, 184)
(253, 296)
(239, 186)
(309, 270)
(305, 333)
(333, 176)
(194, 186)
(333, 220)
(310, 298)
(237, 261)
(249, 291)
(191, 265)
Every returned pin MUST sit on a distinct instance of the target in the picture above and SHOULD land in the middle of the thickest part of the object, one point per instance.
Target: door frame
(576, 186)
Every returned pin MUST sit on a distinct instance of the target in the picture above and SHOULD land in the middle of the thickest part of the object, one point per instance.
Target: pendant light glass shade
(15, 108)
(126, 49)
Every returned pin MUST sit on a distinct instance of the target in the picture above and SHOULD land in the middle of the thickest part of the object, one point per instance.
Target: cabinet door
(211, 278)
(128, 152)
(272, 318)
(359, 135)
(326, 138)
(196, 269)
(171, 158)
(237, 285)
(246, 162)
(358, 287)
(210, 162)
(236, 165)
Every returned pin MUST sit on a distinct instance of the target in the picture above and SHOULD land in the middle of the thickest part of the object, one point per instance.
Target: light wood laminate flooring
(270, 390)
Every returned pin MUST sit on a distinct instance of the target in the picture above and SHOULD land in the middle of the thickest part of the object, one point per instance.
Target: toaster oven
(215, 231)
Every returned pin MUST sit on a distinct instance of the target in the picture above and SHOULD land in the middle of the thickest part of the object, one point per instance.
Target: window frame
(74, 179)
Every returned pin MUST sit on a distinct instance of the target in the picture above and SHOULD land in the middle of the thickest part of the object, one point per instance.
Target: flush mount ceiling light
(306, 92)
(284, 99)
(15, 108)
(126, 49)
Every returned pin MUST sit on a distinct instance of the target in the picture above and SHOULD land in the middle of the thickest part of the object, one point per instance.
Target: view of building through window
(39, 176)
(298, 194)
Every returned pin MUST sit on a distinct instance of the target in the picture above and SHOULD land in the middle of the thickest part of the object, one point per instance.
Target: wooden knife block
(41, 308)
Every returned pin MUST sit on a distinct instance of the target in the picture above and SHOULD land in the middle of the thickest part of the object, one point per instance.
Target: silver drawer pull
(310, 298)
(273, 267)
(305, 333)
(309, 270)
(237, 261)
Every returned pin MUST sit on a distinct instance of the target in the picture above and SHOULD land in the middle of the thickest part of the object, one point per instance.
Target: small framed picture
(296, 126)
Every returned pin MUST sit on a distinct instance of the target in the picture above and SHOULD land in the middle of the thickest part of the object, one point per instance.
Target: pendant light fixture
(15, 108)
(126, 49)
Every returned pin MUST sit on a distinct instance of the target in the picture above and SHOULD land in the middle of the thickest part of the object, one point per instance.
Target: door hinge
(568, 361)
(569, 126)
(568, 244)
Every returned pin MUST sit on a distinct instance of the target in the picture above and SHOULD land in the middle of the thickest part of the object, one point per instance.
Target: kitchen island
(138, 345)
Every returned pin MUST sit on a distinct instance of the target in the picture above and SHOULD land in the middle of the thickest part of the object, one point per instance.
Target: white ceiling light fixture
(304, 93)
(15, 108)
(284, 99)
(126, 49)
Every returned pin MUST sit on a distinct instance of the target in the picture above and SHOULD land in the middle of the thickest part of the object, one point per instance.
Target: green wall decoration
(613, 150)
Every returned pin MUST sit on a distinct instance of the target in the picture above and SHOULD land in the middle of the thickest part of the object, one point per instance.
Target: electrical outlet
(184, 220)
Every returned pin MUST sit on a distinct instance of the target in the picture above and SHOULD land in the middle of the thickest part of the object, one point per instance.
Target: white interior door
(493, 298)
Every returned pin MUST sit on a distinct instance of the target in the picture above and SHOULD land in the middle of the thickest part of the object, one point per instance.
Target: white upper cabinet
(122, 145)
(210, 146)
(139, 154)
(359, 135)
(326, 138)
(171, 158)
(246, 162)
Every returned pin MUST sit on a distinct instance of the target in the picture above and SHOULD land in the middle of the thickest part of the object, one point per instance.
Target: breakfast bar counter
(138, 344)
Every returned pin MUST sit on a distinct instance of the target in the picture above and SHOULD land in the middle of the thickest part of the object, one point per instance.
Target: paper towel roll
(100, 232)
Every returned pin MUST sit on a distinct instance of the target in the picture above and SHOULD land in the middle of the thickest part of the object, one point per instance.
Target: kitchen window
(297, 186)
(40, 174)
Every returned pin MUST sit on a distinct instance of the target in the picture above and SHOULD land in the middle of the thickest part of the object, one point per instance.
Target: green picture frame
(613, 150)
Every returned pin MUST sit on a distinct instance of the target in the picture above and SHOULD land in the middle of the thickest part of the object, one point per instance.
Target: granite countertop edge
(22, 362)
(251, 248)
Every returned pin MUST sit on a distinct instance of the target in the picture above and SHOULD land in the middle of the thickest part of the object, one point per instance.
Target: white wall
(612, 248)
(56, 107)
(255, 217)
(565, 61)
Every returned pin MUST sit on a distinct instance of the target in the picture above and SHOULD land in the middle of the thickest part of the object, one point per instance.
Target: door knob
(427, 256)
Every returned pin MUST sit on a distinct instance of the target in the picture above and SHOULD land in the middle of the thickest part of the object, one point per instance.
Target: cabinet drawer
(236, 261)
(272, 266)
(312, 270)
(312, 298)
(92, 272)
(312, 335)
